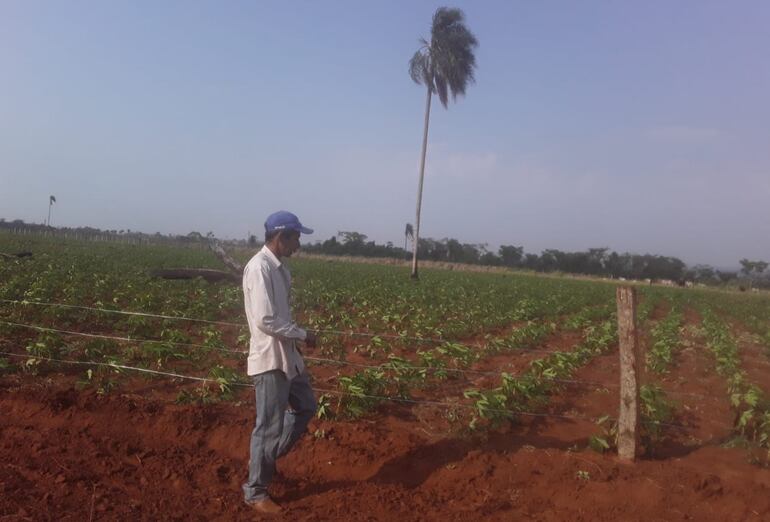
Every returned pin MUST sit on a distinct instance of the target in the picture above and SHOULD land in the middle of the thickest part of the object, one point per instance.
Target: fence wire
(322, 360)
(222, 323)
(459, 371)
(442, 404)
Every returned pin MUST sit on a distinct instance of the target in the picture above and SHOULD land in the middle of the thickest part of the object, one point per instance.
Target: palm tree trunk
(48, 221)
(419, 186)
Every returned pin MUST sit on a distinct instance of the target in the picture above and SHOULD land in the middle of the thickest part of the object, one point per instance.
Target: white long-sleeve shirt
(266, 286)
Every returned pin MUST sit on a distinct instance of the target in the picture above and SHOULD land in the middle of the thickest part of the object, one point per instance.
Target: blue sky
(641, 126)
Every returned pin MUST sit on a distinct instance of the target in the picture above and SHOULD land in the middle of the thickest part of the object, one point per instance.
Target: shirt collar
(271, 257)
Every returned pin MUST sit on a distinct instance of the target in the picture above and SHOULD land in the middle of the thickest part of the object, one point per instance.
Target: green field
(384, 337)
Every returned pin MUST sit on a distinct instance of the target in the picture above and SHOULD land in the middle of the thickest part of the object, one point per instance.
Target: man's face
(288, 242)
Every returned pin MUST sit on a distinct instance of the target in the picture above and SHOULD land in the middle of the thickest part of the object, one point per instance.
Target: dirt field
(69, 454)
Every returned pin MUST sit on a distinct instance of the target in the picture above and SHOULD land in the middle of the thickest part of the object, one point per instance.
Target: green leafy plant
(324, 409)
(362, 391)
(655, 410)
(607, 439)
(490, 406)
(5, 365)
(751, 405)
(199, 395)
(226, 380)
(665, 340)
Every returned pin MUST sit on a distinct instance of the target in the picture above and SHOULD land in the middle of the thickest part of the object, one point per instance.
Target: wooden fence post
(630, 374)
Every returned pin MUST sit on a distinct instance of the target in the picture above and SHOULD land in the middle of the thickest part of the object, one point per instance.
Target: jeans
(276, 428)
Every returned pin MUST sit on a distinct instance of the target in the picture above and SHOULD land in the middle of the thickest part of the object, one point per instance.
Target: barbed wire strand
(322, 331)
(348, 333)
(117, 338)
(326, 332)
(345, 363)
(113, 365)
(243, 352)
(139, 340)
(121, 312)
(334, 392)
(383, 366)
(204, 379)
(221, 323)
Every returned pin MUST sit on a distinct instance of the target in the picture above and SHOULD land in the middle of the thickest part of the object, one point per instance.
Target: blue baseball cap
(283, 220)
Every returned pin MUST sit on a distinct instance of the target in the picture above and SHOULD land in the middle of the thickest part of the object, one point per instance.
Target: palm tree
(444, 65)
(51, 201)
(408, 233)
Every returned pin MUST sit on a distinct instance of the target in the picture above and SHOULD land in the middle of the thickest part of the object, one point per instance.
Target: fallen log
(233, 275)
(15, 256)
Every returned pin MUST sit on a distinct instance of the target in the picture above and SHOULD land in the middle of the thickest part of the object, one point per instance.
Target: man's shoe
(266, 506)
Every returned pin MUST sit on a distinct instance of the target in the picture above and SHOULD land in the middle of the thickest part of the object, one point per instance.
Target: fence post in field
(630, 374)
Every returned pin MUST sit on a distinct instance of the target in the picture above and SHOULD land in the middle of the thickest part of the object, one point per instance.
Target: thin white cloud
(683, 134)
(445, 162)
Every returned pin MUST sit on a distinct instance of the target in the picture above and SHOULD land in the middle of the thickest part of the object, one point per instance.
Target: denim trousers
(277, 428)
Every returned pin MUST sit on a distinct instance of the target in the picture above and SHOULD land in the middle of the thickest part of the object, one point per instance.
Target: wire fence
(433, 369)
(459, 371)
(385, 336)
(321, 331)
(401, 366)
(348, 333)
(410, 367)
(224, 323)
(448, 406)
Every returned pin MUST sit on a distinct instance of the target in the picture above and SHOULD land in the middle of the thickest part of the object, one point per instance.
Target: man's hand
(311, 339)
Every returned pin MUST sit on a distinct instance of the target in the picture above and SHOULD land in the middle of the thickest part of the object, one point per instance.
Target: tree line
(19, 226)
(600, 262)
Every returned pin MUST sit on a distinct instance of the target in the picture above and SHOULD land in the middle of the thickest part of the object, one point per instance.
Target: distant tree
(408, 234)
(532, 261)
(703, 274)
(331, 246)
(618, 265)
(551, 260)
(510, 255)
(472, 253)
(252, 241)
(726, 277)
(444, 65)
(489, 258)
(432, 249)
(753, 269)
(51, 201)
(454, 250)
(597, 260)
(353, 239)
(746, 266)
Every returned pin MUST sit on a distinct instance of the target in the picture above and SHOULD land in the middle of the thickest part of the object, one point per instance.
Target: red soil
(69, 454)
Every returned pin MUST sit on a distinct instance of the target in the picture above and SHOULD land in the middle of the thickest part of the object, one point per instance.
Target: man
(275, 363)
